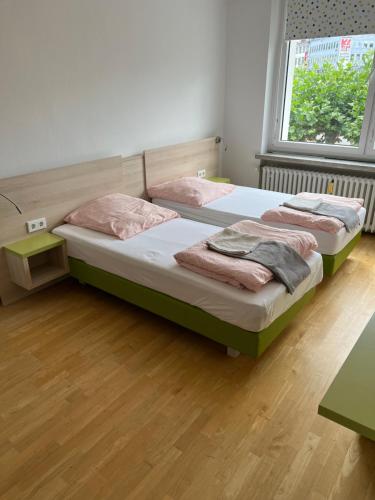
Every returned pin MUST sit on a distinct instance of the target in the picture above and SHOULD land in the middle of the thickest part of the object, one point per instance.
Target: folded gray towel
(284, 262)
(347, 215)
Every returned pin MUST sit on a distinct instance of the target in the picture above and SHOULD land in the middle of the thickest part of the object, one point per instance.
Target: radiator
(292, 181)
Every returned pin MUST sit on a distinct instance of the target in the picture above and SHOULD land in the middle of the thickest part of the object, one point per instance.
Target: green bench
(350, 400)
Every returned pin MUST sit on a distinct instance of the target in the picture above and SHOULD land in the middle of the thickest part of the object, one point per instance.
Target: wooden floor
(100, 400)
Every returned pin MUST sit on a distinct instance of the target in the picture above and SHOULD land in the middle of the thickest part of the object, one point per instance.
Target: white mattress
(251, 203)
(147, 259)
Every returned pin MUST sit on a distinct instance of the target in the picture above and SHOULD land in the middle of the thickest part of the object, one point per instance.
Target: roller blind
(324, 18)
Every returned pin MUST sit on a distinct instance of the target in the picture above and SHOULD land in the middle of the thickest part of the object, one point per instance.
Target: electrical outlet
(36, 224)
(201, 173)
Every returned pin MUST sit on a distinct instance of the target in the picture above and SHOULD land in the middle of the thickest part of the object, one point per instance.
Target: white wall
(82, 79)
(251, 38)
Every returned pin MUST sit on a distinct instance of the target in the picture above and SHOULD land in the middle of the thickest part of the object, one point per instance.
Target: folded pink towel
(238, 272)
(285, 215)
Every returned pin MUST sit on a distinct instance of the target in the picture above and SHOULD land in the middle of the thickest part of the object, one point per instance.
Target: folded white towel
(234, 243)
(303, 204)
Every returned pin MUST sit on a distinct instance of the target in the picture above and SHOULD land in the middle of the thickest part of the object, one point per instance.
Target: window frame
(365, 151)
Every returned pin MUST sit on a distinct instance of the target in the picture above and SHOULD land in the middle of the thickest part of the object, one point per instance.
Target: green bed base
(186, 315)
(331, 263)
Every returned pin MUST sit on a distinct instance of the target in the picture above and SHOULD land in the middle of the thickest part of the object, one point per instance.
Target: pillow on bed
(192, 191)
(119, 215)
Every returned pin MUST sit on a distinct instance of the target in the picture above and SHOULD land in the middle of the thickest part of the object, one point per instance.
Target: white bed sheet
(147, 259)
(251, 203)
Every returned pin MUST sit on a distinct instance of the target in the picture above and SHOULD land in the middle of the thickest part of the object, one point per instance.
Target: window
(325, 97)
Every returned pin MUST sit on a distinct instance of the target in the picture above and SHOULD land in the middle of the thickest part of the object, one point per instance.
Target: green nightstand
(225, 180)
(37, 260)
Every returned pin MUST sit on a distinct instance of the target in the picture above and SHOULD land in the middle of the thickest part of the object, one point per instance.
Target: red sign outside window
(345, 44)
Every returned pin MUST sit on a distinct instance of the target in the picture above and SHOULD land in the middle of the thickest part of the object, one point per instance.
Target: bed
(251, 203)
(169, 163)
(142, 270)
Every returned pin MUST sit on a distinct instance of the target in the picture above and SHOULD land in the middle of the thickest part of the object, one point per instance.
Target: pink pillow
(192, 191)
(119, 215)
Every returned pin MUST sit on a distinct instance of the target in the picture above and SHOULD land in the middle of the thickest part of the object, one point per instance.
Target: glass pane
(326, 89)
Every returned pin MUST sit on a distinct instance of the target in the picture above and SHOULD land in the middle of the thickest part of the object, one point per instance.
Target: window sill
(301, 161)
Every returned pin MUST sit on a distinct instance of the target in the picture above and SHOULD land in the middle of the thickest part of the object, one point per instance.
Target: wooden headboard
(53, 194)
(171, 162)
